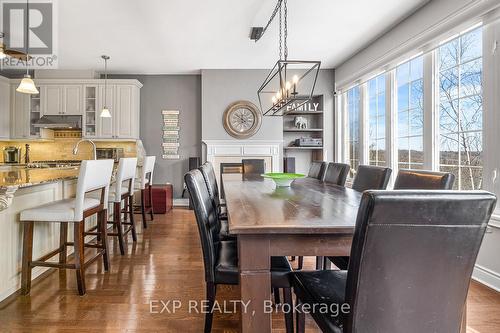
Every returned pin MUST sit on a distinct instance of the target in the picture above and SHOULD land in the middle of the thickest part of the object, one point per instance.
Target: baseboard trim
(487, 277)
(181, 202)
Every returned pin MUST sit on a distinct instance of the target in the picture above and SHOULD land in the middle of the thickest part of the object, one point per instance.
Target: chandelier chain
(285, 44)
(280, 43)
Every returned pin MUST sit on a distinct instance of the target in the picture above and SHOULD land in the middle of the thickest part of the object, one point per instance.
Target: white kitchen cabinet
(73, 100)
(77, 97)
(52, 99)
(19, 115)
(105, 128)
(4, 108)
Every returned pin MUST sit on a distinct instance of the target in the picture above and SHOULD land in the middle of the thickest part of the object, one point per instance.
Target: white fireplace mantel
(246, 149)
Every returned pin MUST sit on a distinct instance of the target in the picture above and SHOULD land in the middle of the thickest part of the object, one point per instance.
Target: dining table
(309, 218)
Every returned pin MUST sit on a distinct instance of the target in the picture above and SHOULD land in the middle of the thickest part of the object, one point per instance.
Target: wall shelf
(303, 148)
(303, 130)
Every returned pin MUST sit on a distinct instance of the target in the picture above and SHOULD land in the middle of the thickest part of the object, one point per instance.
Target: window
(461, 109)
(410, 114)
(376, 118)
(353, 97)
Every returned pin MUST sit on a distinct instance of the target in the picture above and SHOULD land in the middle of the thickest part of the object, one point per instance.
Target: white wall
(434, 19)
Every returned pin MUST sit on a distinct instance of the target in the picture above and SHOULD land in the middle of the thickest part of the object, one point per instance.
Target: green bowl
(283, 179)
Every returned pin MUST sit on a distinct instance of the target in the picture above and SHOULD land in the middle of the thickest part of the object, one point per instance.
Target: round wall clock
(242, 119)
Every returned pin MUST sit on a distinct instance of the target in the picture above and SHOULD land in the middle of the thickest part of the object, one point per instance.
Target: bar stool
(118, 193)
(94, 175)
(144, 183)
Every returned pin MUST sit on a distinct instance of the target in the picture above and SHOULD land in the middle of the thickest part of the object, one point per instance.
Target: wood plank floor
(166, 264)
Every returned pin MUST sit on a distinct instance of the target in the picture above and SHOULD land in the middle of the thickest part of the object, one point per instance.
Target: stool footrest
(41, 263)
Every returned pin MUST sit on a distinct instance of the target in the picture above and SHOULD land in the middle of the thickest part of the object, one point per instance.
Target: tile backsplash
(62, 149)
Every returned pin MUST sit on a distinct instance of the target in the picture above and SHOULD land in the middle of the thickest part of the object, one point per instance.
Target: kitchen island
(22, 188)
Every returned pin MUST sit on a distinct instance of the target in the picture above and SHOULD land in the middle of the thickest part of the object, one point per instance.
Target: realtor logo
(40, 33)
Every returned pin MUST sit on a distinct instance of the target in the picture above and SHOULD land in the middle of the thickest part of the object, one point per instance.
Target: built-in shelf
(303, 148)
(303, 130)
(303, 113)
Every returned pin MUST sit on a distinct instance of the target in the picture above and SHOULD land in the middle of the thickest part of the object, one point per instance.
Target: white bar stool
(94, 175)
(118, 192)
(144, 184)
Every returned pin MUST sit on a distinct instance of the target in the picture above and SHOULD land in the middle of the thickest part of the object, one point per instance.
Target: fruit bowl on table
(283, 179)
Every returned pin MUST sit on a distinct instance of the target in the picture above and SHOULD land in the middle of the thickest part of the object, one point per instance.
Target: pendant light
(290, 84)
(27, 86)
(105, 111)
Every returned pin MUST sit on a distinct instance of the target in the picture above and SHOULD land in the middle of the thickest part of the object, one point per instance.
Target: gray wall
(221, 87)
(170, 92)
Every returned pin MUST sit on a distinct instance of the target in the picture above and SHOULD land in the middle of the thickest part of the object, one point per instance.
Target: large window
(353, 124)
(376, 118)
(410, 114)
(461, 109)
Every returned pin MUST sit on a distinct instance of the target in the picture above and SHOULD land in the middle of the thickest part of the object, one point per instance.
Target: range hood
(59, 122)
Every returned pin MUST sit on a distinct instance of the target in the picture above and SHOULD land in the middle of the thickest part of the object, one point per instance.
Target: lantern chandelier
(290, 84)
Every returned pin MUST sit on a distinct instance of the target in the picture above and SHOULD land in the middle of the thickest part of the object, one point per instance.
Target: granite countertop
(24, 177)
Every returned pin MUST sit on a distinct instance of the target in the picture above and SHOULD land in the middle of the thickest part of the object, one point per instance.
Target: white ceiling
(184, 36)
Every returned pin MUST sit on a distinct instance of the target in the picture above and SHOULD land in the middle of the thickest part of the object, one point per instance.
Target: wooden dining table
(310, 218)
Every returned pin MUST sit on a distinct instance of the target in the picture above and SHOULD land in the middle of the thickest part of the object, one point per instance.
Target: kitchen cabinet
(52, 97)
(105, 126)
(72, 100)
(4, 108)
(77, 97)
(19, 116)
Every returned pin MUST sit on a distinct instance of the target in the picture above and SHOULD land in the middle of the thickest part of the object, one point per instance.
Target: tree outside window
(353, 99)
(410, 114)
(376, 118)
(461, 109)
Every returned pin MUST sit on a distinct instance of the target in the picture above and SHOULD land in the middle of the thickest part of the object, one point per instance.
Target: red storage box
(162, 198)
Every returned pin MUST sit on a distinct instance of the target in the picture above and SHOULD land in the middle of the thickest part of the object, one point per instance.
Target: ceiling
(180, 36)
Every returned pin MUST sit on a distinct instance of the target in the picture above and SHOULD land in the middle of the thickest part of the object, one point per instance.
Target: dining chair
(94, 175)
(220, 257)
(423, 180)
(145, 184)
(317, 170)
(253, 166)
(336, 173)
(209, 177)
(121, 191)
(369, 177)
(412, 256)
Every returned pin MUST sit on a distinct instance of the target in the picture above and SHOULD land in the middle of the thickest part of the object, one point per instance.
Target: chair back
(317, 170)
(206, 218)
(369, 177)
(207, 170)
(253, 166)
(94, 175)
(147, 171)
(423, 180)
(125, 172)
(412, 257)
(336, 173)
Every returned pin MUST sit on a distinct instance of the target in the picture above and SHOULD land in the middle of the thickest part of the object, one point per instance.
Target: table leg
(255, 283)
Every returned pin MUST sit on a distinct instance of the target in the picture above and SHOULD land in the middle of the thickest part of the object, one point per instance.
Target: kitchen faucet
(75, 149)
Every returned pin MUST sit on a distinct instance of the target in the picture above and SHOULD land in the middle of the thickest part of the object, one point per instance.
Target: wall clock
(242, 119)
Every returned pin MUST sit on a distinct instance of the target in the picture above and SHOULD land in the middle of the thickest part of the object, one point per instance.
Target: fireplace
(231, 168)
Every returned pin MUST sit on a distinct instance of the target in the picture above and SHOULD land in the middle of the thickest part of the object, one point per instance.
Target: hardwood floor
(166, 264)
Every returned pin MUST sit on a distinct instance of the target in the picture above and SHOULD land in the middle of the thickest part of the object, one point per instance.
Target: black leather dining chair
(220, 257)
(412, 256)
(336, 173)
(423, 180)
(369, 177)
(210, 179)
(253, 166)
(317, 170)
